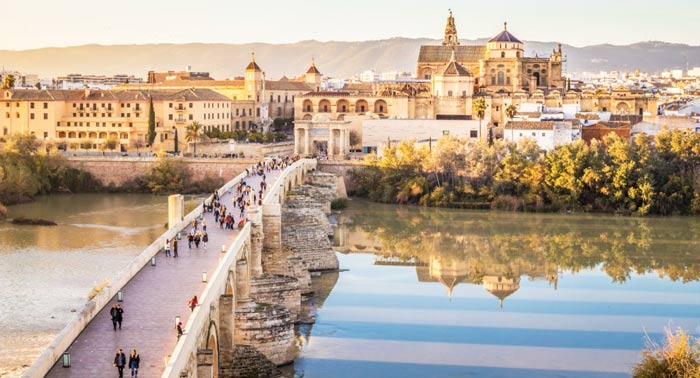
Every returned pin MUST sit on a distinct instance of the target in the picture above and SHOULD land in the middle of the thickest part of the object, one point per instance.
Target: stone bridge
(244, 324)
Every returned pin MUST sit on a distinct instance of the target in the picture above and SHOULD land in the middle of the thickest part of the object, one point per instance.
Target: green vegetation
(151, 123)
(170, 175)
(243, 135)
(26, 172)
(679, 357)
(648, 176)
(339, 204)
(193, 132)
(8, 82)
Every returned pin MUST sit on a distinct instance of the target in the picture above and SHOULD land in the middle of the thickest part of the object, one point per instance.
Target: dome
(321, 118)
(505, 36)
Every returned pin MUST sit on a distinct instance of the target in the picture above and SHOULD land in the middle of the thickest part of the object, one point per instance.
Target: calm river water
(47, 272)
(428, 292)
(449, 293)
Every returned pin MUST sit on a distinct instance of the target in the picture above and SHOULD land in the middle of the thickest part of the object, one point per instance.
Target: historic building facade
(256, 99)
(74, 117)
(450, 76)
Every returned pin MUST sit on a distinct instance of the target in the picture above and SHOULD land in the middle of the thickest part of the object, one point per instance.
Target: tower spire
(505, 25)
(451, 38)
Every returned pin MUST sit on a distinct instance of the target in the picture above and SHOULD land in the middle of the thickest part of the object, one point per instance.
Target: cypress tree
(151, 124)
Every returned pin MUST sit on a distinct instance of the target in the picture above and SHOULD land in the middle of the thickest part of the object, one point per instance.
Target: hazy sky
(44, 23)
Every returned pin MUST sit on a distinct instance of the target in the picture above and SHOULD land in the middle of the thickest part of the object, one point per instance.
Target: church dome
(505, 36)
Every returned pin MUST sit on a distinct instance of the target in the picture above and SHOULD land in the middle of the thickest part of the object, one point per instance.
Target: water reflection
(496, 249)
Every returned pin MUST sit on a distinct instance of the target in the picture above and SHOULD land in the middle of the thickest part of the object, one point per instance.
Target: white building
(369, 76)
(547, 134)
(378, 133)
(694, 72)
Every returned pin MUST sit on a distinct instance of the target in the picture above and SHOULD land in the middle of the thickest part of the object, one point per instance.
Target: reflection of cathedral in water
(501, 279)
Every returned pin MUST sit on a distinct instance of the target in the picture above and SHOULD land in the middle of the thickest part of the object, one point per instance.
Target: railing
(200, 317)
(43, 364)
(215, 287)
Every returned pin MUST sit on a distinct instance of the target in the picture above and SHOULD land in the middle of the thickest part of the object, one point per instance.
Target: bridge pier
(242, 281)
(205, 364)
(226, 326)
(257, 238)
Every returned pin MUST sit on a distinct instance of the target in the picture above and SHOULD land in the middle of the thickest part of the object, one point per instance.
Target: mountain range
(334, 59)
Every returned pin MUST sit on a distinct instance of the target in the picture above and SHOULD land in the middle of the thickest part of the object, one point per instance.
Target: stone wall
(117, 171)
(277, 290)
(268, 328)
(250, 150)
(342, 168)
(247, 362)
(305, 225)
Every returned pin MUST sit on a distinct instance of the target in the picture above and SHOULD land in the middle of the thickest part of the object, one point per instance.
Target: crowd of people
(243, 196)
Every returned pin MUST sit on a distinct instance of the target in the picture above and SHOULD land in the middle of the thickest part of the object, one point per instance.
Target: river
(427, 292)
(451, 293)
(46, 273)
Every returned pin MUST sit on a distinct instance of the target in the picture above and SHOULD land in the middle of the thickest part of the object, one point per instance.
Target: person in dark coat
(118, 311)
(174, 248)
(120, 362)
(179, 330)
(113, 314)
(134, 361)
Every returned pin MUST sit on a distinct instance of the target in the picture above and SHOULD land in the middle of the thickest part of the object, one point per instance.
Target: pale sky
(47, 23)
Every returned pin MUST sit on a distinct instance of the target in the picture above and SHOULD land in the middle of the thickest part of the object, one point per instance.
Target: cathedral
(500, 65)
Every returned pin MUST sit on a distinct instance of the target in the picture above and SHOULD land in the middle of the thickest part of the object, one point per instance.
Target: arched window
(503, 54)
(501, 78)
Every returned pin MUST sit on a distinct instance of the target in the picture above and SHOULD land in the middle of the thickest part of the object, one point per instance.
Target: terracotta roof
(505, 36)
(528, 125)
(313, 69)
(190, 94)
(612, 124)
(442, 54)
(287, 85)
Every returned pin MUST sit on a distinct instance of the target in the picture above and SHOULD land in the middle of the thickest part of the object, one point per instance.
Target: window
(31, 105)
(31, 116)
(500, 78)
(473, 134)
(46, 135)
(493, 80)
(190, 107)
(542, 134)
(449, 94)
(257, 112)
(508, 80)
(503, 54)
(46, 115)
(190, 116)
(128, 105)
(533, 134)
(170, 117)
(170, 105)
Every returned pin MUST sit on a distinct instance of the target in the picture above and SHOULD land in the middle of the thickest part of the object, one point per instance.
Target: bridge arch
(212, 344)
(230, 284)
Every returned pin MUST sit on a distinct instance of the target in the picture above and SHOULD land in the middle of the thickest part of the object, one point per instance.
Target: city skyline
(159, 21)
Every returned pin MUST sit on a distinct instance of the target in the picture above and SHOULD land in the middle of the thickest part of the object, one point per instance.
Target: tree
(8, 82)
(111, 143)
(151, 124)
(193, 132)
(38, 85)
(354, 138)
(511, 111)
(479, 109)
(86, 144)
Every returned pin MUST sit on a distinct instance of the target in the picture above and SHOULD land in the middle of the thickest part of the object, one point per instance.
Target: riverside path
(152, 300)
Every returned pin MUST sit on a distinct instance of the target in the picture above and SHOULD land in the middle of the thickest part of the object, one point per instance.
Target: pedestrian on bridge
(134, 362)
(120, 362)
(167, 248)
(194, 302)
(179, 330)
(205, 239)
(174, 248)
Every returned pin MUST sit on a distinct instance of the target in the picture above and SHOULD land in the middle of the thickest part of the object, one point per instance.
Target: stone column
(205, 362)
(343, 143)
(226, 324)
(297, 140)
(256, 242)
(307, 141)
(272, 228)
(242, 281)
(176, 209)
(331, 143)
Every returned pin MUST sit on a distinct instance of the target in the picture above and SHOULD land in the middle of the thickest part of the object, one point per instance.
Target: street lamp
(66, 359)
(175, 138)
(153, 261)
(177, 320)
(223, 248)
(204, 276)
(120, 296)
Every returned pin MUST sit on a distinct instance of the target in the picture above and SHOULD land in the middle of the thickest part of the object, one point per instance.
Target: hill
(337, 59)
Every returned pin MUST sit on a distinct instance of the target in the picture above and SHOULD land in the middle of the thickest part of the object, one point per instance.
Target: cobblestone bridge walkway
(152, 300)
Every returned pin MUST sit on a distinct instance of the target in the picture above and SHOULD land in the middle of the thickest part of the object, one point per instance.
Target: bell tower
(451, 38)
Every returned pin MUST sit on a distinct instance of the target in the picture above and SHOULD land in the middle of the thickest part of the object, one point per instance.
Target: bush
(678, 357)
(508, 203)
(168, 176)
(339, 204)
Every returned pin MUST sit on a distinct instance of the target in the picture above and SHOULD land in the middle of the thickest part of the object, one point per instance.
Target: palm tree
(8, 82)
(193, 132)
(511, 111)
(479, 109)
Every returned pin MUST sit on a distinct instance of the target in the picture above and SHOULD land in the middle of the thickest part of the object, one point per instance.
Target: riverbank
(659, 176)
